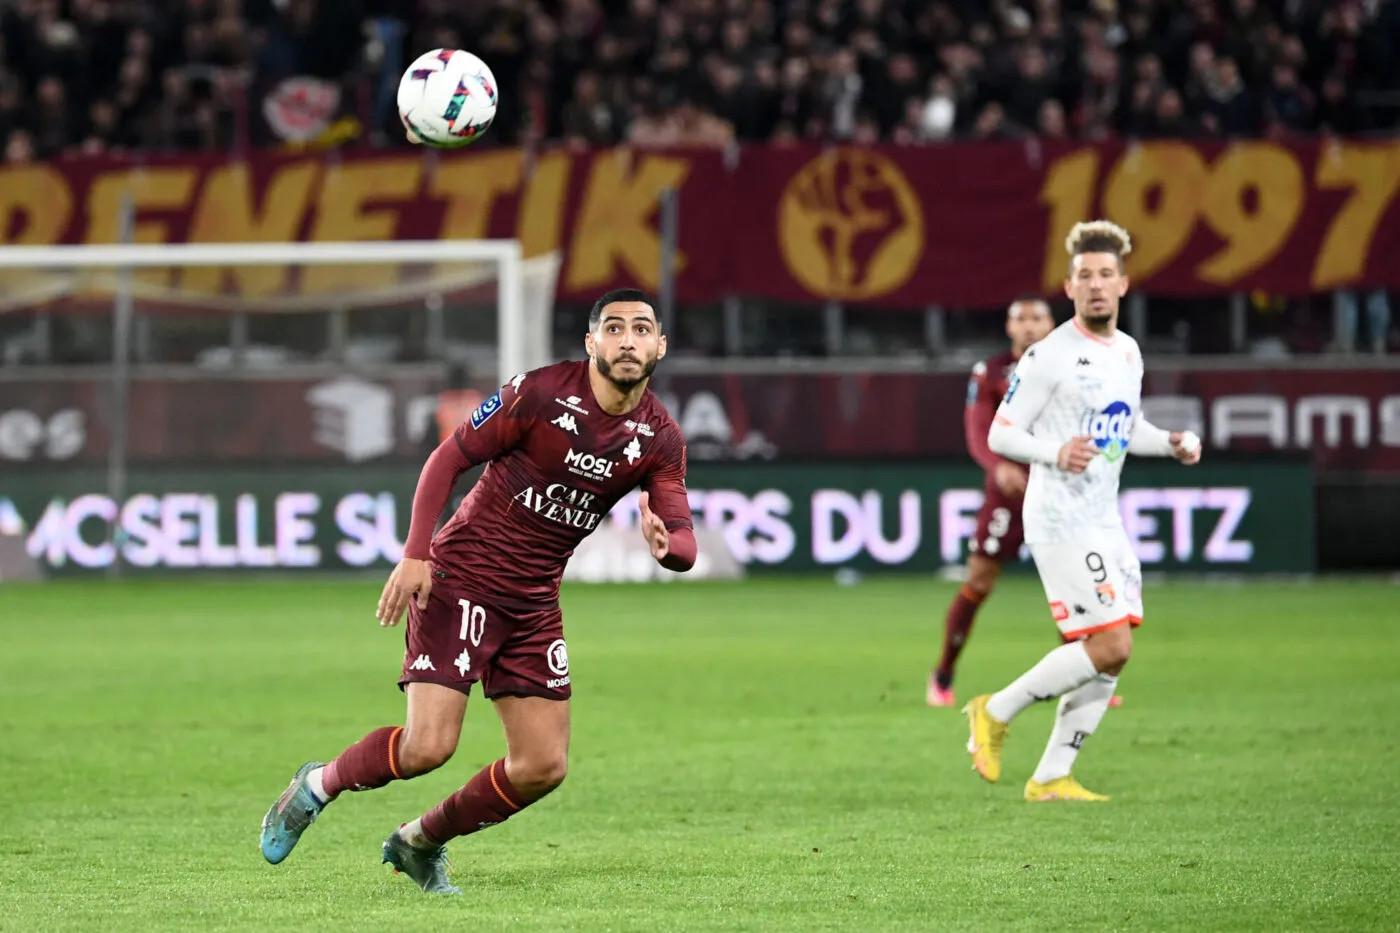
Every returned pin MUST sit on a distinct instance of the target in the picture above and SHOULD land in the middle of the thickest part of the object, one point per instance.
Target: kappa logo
(572, 404)
(1083, 361)
(632, 451)
(567, 422)
(422, 663)
(589, 466)
(515, 383)
(642, 429)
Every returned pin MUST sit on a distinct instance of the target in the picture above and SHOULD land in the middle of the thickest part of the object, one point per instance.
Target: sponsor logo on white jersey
(1110, 429)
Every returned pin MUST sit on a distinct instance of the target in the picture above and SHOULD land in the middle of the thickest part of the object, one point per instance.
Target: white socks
(313, 784)
(1059, 672)
(412, 833)
(1078, 716)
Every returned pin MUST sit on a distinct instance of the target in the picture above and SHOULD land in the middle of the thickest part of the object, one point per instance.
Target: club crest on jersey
(1110, 429)
(632, 451)
(485, 410)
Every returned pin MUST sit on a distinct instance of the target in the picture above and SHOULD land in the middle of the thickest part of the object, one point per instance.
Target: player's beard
(625, 382)
(1099, 316)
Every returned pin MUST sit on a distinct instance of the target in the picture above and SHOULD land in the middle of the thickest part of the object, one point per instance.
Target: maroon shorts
(460, 639)
(999, 532)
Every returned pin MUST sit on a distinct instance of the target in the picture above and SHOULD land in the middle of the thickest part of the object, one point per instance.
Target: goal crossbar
(516, 353)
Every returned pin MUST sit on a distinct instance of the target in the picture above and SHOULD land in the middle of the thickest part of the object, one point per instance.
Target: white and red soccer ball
(448, 98)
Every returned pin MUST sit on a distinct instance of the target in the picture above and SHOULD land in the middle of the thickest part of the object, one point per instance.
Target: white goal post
(525, 327)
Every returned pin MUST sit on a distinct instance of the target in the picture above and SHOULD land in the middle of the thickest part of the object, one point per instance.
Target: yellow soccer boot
(984, 742)
(1065, 788)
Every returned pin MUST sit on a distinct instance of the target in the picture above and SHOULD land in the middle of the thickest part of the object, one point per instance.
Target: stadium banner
(1345, 419)
(963, 225)
(770, 517)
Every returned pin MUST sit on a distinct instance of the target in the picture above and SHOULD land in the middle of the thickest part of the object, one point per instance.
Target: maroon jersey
(557, 464)
(984, 393)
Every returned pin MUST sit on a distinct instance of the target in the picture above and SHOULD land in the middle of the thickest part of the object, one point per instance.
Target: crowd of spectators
(96, 75)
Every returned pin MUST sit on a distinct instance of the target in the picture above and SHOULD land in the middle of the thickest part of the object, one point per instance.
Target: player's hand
(1010, 479)
(410, 578)
(1077, 454)
(1187, 455)
(654, 529)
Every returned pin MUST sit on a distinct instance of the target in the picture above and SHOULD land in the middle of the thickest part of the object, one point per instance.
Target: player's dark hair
(1029, 298)
(595, 315)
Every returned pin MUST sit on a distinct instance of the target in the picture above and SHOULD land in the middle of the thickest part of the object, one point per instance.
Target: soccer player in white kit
(1073, 410)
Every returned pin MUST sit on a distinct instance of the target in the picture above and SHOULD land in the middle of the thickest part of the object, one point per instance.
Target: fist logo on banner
(850, 226)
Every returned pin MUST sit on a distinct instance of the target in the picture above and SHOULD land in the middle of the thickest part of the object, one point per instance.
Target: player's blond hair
(1098, 236)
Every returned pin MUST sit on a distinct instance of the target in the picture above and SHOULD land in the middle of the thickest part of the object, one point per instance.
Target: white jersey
(1075, 383)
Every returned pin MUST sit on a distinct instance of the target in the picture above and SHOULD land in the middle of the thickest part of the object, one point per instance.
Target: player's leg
(537, 759)
(389, 753)
(1077, 579)
(982, 574)
(537, 744)
(997, 539)
(528, 682)
(436, 690)
(425, 743)
(1081, 710)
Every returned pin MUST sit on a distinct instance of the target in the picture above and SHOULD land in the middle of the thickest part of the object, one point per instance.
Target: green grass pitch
(753, 756)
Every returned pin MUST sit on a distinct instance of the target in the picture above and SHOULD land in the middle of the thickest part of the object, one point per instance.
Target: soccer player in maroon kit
(999, 532)
(563, 445)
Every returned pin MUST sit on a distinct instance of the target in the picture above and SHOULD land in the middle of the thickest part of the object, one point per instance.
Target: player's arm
(1148, 440)
(494, 428)
(665, 504)
(1032, 385)
(981, 408)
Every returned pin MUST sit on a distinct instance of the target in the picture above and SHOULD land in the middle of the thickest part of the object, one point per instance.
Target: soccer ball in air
(447, 98)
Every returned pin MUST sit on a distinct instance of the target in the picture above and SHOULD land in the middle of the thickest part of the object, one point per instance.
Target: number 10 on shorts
(473, 628)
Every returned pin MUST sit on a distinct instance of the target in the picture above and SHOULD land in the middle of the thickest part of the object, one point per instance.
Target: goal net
(260, 306)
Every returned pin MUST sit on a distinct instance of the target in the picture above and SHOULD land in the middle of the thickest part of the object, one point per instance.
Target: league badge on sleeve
(1011, 387)
(485, 410)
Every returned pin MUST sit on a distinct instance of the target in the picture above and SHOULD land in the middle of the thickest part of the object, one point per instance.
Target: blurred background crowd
(111, 76)
(97, 75)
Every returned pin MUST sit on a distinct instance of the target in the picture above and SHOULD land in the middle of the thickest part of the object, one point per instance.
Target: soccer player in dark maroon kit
(999, 532)
(562, 445)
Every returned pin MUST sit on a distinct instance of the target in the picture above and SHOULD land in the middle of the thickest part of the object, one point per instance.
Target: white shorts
(1093, 583)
